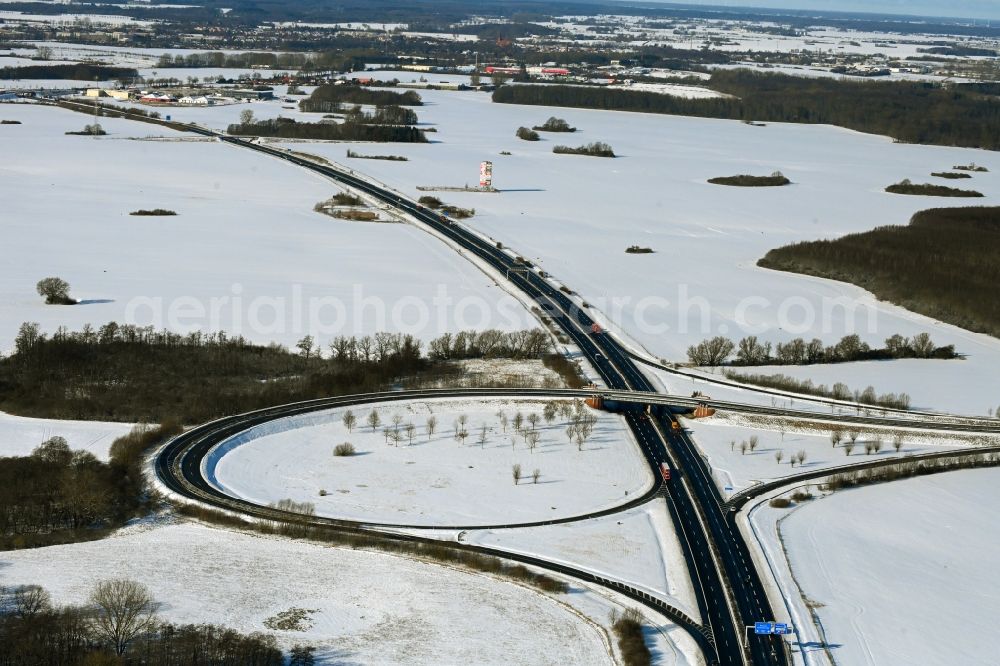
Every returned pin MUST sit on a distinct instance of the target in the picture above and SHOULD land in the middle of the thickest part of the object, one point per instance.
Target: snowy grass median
(432, 474)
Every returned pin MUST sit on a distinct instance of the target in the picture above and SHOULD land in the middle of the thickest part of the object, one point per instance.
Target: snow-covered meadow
(366, 608)
(19, 435)
(245, 253)
(436, 479)
(891, 571)
(702, 279)
(575, 216)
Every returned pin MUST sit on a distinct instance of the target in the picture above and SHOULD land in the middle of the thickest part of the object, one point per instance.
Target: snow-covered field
(673, 89)
(125, 56)
(825, 73)
(576, 215)
(436, 480)
(720, 441)
(245, 254)
(637, 546)
(897, 572)
(71, 19)
(367, 608)
(702, 280)
(20, 435)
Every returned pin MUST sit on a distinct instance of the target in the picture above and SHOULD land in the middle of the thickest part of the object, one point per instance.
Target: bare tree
(801, 457)
(462, 420)
(853, 436)
(432, 424)
(550, 411)
(848, 447)
(396, 420)
(409, 429)
(711, 352)
(29, 600)
(246, 117)
(306, 346)
(897, 443)
(374, 420)
(778, 455)
(516, 473)
(54, 450)
(518, 420)
(532, 439)
(754, 441)
(461, 435)
(869, 447)
(55, 290)
(571, 431)
(124, 611)
(349, 420)
(876, 444)
(482, 437)
(503, 421)
(836, 436)
(732, 445)
(922, 345)
(743, 447)
(535, 474)
(533, 419)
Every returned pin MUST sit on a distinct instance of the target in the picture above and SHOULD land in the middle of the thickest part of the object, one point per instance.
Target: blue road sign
(763, 627)
(728, 488)
(780, 628)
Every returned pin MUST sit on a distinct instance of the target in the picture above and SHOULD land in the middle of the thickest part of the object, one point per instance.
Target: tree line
(905, 186)
(131, 373)
(234, 60)
(839, 391)
(908, 469)
(752, 351)
(594, 149)
(329, 98)
(944, 264)
(382, 115)
(913, 112)
(491, 343)
(287, 128)
(73, 72)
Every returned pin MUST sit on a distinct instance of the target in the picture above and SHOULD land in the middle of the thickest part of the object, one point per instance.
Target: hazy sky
(984, 9)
